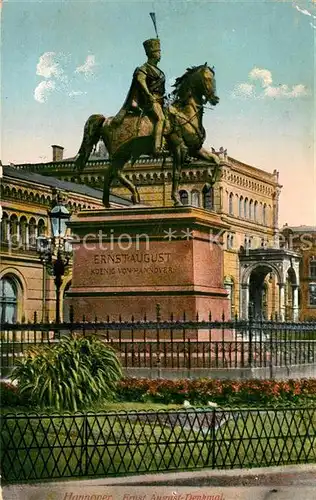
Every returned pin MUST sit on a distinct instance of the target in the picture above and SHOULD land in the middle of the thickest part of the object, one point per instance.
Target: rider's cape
(136, 99)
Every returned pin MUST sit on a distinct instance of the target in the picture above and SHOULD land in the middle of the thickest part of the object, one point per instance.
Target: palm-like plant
(75, 373)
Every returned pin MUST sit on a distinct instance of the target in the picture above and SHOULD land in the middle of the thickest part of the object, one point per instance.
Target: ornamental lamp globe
(59, 216)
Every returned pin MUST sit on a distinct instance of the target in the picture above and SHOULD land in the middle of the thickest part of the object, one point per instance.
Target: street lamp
(56, 252)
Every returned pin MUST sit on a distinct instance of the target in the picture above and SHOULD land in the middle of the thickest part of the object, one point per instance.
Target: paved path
(273, 483)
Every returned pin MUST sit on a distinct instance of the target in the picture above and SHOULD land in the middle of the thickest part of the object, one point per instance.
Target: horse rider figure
(146, 93)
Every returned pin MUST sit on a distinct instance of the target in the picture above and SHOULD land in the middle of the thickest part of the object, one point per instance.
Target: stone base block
(126, 261)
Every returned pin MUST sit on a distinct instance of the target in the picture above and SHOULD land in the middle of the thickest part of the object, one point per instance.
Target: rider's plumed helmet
(151, 45)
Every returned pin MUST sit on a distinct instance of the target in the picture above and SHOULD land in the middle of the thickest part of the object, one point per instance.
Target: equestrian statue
(147, 125)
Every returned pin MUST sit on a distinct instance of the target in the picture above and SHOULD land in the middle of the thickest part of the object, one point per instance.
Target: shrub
(73, 374)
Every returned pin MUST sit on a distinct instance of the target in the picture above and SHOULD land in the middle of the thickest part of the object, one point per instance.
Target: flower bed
(196, 391)
(201, 391)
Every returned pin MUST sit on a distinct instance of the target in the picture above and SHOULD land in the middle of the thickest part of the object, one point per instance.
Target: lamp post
(56, 252)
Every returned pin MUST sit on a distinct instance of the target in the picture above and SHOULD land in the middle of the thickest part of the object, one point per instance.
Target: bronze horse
(183, 133)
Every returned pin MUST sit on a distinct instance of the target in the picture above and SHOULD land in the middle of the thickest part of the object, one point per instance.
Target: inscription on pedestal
(139, 263)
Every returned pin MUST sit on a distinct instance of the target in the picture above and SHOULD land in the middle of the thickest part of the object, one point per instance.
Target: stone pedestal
(126, 261)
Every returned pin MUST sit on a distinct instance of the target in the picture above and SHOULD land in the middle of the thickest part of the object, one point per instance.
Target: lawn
(125, 442)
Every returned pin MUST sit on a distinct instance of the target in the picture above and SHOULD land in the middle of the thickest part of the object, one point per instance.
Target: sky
(65, 60)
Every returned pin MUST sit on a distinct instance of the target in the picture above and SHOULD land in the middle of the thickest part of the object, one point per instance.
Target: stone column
(6, 230)
(296, 312)
(17, 234)
(281, 301)
(27, 238)
(244, 301)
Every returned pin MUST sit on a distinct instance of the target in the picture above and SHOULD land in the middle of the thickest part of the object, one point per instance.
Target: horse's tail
(91, 136)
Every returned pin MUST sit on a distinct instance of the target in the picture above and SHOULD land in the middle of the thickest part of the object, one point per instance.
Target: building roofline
(146, 159)
(299, 229)
(270, 176)
(52, 182)
(52, 167)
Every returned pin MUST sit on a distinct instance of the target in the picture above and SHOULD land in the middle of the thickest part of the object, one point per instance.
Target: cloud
(74, 93)
(284, 91)
(43, 90)
(53, 67)
(87, 67)
(48, 66)
(243, 90)
(264, 87)
(263, 75)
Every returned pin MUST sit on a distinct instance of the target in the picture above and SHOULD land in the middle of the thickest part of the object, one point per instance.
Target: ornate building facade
(261, 276)
(27, 291)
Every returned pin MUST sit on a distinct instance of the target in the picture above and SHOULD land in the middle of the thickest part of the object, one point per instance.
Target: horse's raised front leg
(135, 198)
(212, 158)
(114, 171)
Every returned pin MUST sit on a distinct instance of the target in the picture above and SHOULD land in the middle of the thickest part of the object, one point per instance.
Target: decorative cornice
(148, 170)
(247, 224)
(25, 192)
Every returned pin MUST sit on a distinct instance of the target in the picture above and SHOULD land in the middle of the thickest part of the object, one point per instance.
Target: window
(8, 300)
(312, 294)
(264, 214)
(195, 199)
(231, 204)
(32, 232)
(14, 229)
(41, 228)
(4, 227)
(230, 241)
(208, 196)
(184, 197)
(23, 230)
(246, 208)
(312, 267)
(251, 209)
(241, 206)
(248, 242)
(255, 211)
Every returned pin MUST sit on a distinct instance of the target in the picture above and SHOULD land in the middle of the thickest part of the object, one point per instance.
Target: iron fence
(37, 447)
(178, 344)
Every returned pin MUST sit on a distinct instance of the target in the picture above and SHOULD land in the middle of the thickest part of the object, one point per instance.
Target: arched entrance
(291, 296)
(264, 275)
(260, 292)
